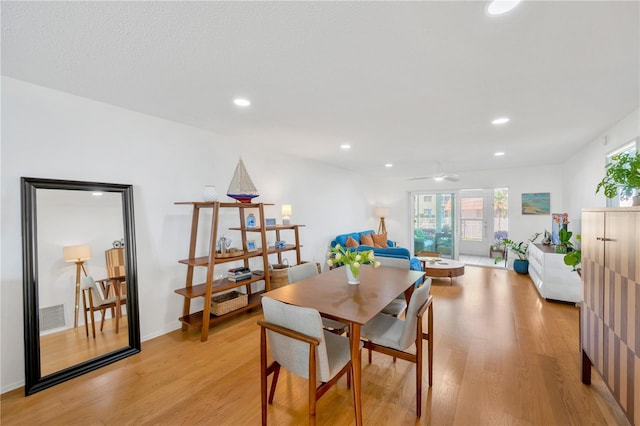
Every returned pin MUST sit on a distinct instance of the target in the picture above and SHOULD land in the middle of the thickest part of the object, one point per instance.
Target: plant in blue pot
(521, 249)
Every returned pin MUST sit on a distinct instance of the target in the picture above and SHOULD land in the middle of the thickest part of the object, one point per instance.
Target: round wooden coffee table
(438, 267)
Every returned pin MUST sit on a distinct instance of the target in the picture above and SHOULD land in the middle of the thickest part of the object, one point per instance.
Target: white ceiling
(410, 83)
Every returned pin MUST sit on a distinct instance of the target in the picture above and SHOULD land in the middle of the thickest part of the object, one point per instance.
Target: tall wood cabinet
(211, 261)
(610, 314)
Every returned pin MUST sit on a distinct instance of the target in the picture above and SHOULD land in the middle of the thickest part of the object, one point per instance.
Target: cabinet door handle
(604, 239)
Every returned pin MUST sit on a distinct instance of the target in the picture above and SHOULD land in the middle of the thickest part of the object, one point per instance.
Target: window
(622, 200)
(471, 218)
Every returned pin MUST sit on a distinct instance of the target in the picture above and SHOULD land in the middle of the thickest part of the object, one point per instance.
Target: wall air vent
(52, 317)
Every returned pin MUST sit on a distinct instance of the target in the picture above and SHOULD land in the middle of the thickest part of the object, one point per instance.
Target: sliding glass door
(434, 221)
(467, 222)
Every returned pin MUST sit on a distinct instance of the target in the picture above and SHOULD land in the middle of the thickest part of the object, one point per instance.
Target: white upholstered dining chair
(399, 304)
(298, 343)
(306, 270)
(394, 336)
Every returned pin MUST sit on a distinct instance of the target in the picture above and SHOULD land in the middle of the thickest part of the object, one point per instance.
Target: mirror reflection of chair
(393, 336)
(298, 342)
(93, 300)
(306, 270)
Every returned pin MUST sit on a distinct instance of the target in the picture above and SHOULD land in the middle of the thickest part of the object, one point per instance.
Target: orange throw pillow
(380, 240)
(366, 240)
(351, 243)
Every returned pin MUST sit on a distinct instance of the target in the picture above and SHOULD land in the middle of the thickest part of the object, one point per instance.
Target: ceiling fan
(439, 176)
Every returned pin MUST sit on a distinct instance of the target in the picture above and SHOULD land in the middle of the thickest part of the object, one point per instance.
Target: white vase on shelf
(209, 193)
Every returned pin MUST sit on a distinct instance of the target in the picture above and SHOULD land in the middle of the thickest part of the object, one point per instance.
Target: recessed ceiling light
(498, 154)
(388, 165)
(498, 7)
(96, 194)
(242, 102)
(499, 121)
(438, 178)
(345, 146)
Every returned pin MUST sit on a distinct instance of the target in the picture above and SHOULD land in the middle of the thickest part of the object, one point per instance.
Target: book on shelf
(240, 269)
(236, 278)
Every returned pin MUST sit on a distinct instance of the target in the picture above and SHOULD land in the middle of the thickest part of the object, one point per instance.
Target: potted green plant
(521, 249)
(574, 257)
(622, 173)
(565, 241)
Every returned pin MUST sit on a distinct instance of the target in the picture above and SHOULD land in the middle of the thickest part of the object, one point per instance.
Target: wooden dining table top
(331, 294)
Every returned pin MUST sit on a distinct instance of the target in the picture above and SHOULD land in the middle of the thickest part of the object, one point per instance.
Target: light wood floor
(72, 346)
(502, 356)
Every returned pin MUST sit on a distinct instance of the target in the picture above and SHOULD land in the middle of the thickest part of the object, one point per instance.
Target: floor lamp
(381, 212)
(77, 254)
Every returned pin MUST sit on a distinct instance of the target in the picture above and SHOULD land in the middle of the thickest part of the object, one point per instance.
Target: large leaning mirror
(80, 283)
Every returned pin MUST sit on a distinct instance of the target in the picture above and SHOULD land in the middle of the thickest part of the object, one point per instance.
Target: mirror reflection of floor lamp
(77, 254)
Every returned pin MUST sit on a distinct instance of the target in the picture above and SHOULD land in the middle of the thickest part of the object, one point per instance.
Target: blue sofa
(390, 251)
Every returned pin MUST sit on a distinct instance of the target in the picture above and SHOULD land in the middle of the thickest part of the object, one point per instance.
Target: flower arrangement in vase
(339, 256)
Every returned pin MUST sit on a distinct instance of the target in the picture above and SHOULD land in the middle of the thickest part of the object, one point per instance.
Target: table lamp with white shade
(286, 214)
(77, 254)
(381, 212)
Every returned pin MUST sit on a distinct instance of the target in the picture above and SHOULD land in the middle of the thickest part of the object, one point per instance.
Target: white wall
(586, 168)
(50, 134)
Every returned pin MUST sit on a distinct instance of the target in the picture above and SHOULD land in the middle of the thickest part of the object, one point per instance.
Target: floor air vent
(52, 317)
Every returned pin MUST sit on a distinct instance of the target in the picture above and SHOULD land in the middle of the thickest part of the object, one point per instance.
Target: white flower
(358, 258)
(330, 262)
(338, 256)
(356, 265)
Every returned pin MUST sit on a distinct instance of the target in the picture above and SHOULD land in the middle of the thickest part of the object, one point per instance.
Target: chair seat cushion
(384, 330)
(338, 353)
(396, 307)
(333, 324)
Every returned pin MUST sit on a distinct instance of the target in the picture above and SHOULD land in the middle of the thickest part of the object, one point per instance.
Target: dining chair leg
(419, 368)
(86, 323)
(312, 385)
(430, 347)
(118, 320)
(263, 374)
(103, 314)
(276, 373)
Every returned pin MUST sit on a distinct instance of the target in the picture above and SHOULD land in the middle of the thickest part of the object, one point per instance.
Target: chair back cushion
(290, 353)
(302, 271)
(96, 294)
(419, 297)
(394, 262)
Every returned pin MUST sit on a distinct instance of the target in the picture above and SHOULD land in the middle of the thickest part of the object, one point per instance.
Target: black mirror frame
(34, 382)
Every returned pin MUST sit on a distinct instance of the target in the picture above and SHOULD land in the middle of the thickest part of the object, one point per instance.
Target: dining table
(356, 304)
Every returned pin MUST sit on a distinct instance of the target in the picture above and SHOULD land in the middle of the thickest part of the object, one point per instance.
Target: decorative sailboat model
(241, 187)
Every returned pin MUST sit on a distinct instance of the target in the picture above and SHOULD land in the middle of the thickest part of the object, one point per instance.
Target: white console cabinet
(553, 279)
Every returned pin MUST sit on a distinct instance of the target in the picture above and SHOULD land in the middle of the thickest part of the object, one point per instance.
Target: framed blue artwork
(536, 203)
